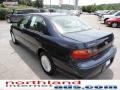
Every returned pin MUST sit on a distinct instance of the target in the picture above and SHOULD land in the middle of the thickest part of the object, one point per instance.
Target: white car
(105, 17)
(76, 12)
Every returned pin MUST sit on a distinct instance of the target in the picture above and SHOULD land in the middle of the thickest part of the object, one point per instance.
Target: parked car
(59, 42)
(111, 12)
(17, 15)
(104, 12)
(76, 12)
(99, 12)
(105, 17)
(63, 11)
(113, 22)
(51, 10)
(42, 10)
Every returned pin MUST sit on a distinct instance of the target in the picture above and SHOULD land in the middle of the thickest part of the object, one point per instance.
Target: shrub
(2, 5)
(4, 12)
(25, 2)
(89, 8)
(38, 3)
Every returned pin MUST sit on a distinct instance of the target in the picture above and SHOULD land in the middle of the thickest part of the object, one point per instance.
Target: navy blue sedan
(65, 42)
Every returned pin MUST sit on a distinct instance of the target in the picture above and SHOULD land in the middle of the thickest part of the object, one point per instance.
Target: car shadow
(107, 75)
(33, 63)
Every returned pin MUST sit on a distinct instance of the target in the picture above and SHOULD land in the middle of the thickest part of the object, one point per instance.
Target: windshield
(66, 24)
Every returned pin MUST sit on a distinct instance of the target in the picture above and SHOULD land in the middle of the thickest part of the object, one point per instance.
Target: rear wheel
(47, 63)
(114, 24)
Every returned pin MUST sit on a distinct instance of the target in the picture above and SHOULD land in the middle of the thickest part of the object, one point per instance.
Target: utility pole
(60, 3)
(50, 4)
(76, 4)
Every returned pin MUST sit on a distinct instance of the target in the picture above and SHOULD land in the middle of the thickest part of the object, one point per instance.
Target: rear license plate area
(106, 65)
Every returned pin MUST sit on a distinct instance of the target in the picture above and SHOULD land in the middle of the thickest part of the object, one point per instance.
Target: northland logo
(39, 83)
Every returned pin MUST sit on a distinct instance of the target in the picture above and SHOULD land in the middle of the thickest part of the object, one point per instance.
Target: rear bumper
(91, 68)
(91, 72)
(95, 65)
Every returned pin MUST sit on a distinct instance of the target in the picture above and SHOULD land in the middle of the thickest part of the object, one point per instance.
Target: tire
(13, 38)
(8, 20)
(47, 63)
(114, 25)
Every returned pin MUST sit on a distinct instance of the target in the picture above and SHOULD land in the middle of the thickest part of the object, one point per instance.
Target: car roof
(48, 14)
(117, 12)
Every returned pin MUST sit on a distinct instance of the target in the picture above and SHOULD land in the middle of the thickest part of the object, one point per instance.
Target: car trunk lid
(92, 39)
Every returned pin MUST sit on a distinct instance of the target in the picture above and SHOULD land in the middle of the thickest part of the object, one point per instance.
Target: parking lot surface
(16, 62)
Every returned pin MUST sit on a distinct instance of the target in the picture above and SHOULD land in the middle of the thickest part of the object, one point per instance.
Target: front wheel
(47, 63)
(114, 24)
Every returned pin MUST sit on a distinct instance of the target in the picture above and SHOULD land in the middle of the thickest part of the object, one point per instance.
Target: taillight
(83, 54)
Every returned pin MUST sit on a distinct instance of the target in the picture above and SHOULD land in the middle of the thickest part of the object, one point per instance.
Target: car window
(112, 12)
(37, 24)
(42, 10)
(25, 23)
(66, 24)
(118, 14)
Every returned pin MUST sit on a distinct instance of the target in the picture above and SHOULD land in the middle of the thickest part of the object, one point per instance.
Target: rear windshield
(67, 24)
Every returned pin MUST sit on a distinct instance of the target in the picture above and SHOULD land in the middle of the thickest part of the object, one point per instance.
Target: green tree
(38, 3)
(89, 8)
(25, 2)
